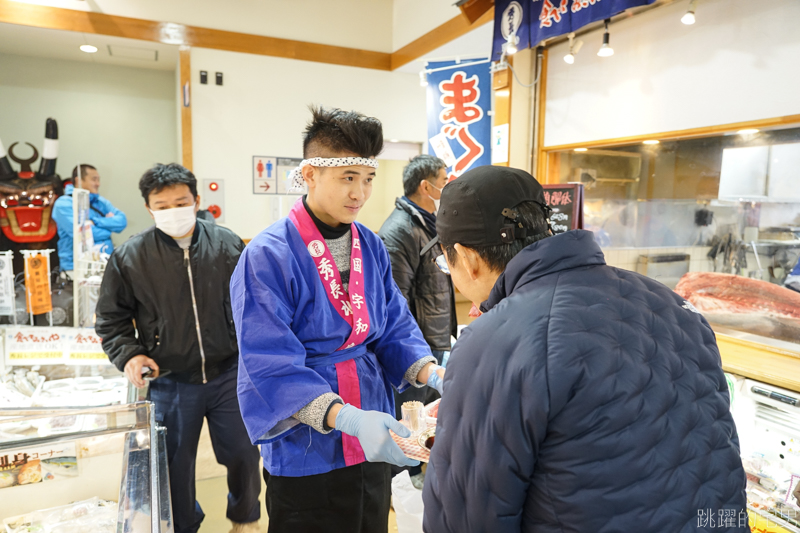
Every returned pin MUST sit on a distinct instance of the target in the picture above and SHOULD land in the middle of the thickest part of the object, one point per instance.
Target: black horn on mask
(50, 149)
(24, 164)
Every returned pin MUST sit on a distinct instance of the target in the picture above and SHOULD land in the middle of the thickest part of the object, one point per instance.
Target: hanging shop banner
(6, 284)
(459, 101)
(532, 21)
(38, 464)
(37, 285)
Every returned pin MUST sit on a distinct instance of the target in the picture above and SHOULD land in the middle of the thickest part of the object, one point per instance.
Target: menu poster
(85, 347)
(566, 201)
(38, 464)
(33, 346)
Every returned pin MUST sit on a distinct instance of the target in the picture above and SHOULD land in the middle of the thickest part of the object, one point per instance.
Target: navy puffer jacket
(587, 399)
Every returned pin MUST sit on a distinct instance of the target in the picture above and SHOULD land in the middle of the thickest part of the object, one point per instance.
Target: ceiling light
(88, 48)
(688, 18)
(394, 141)
(509, 48)
(423, 79)
(569, 58)
(606, 50)
(581, 149)
(748, 131)
(652, 141)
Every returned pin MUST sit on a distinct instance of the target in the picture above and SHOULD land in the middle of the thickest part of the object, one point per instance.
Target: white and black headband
(296, 176)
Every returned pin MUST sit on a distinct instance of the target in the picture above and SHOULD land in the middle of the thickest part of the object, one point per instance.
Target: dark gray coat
(588, 399)
(429, 292)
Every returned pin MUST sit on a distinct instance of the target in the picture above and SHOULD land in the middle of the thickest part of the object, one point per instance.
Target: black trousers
(181, 407)
(354, 499)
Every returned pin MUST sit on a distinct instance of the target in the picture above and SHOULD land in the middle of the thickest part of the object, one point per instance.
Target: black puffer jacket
(429, 291)
(147, 280)
(587, 399)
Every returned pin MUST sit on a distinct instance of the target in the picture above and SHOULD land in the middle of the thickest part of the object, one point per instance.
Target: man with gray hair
(429, 292)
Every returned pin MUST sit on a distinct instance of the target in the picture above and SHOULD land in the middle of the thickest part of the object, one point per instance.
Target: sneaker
(418, 480)
(250, 527)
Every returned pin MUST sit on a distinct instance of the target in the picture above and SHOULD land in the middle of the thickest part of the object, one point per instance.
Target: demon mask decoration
(27, 197)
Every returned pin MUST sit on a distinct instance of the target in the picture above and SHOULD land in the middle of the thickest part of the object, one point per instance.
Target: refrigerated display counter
(84, 469)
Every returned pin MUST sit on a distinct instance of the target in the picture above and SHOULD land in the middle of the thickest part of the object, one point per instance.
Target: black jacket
(146, 283)
(585, 399)
(429, 291)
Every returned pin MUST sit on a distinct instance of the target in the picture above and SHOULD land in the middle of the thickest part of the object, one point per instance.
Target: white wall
(120, 119)
(262, 110)
(365, 24)
(738, 62)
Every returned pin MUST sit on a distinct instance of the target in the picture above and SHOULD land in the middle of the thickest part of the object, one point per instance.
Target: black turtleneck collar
(328, 232)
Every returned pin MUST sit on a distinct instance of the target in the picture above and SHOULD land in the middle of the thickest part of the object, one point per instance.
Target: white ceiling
(29, 41)
(477, 43)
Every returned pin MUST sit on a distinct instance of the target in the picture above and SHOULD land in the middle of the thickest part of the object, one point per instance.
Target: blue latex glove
(435, 380)
(371, 428)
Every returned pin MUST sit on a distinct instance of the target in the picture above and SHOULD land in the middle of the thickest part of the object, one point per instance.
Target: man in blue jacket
(106, 219)
(586, 398)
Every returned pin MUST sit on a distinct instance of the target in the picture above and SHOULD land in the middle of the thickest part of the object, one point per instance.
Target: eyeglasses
(442, 264)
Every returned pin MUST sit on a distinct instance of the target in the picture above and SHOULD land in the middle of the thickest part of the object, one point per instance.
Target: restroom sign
(265, 172)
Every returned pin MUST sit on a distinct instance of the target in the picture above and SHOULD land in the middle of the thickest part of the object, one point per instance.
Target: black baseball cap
(477, 209)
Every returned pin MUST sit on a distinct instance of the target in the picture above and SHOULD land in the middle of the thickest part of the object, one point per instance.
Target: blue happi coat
(289, 334)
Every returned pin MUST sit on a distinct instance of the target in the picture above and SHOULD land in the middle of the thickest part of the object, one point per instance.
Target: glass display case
(84, 469)
(716, 218)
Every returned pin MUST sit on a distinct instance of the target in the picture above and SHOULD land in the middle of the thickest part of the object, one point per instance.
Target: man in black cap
(586, 398)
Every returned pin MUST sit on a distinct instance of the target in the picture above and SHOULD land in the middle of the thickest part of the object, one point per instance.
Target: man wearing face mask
(165, 306)
(429, 292)
(106, 219)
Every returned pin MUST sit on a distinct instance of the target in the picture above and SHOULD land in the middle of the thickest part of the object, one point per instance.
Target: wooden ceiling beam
(450, 30)
(180, 34)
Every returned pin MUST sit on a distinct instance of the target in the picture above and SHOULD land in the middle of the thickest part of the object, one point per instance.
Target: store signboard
(32, 346)
(39, 464)
(566, 201)
(459, 102)
(532, 21)
(84, 347)
(51, 346)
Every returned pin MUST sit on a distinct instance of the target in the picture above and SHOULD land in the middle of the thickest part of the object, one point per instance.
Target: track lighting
(574, 48)
(606, 50)
(423, 79)
(688, 17)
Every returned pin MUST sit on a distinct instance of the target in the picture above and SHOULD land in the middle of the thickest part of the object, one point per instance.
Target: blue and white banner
(459, 123)
(532, 21)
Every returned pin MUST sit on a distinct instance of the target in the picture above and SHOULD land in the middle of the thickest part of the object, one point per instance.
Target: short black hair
(161, 176)
(422, 167)
(498, 256)
(84, 168)
(332, 131)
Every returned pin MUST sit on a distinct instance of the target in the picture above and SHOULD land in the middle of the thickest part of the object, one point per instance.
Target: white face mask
(175, 222)
(436, 201)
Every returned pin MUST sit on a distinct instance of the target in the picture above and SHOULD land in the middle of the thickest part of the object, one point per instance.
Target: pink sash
(351, 307)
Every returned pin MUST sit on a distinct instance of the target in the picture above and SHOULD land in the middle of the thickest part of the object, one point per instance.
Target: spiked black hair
(333, 131)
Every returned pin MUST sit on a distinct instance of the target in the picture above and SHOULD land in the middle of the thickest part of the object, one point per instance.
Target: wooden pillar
(185, 66)
(501, 86)
(541, 156)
